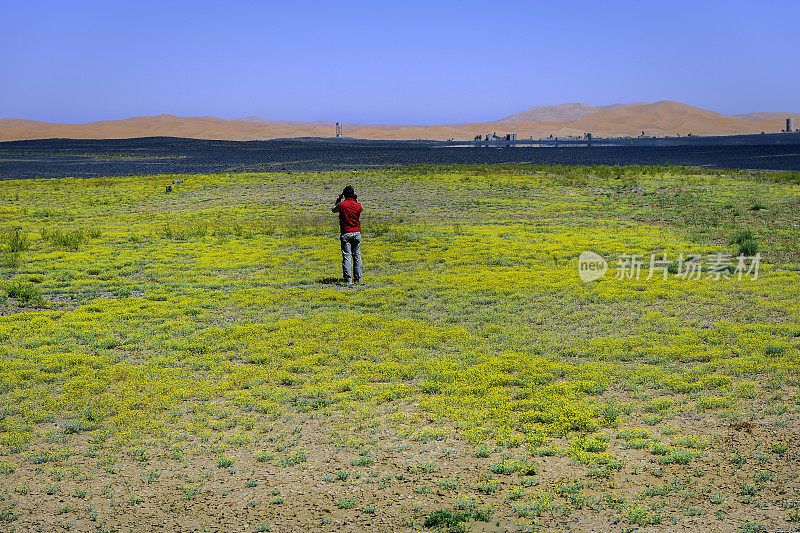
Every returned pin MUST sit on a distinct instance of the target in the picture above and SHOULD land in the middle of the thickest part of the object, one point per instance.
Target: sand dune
(670, 118)
(767, 116)
(655, 119)
(560, 113)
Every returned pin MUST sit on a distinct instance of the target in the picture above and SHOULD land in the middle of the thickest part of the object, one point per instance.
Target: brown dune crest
(655, 119)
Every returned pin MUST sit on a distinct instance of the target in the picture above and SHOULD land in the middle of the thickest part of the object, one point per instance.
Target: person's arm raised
(336, 206)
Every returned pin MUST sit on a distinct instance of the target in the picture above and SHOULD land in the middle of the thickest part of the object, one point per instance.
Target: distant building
(495, 137)
(789, 124)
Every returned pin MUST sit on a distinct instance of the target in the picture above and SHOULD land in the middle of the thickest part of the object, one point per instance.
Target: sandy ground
(382, 480)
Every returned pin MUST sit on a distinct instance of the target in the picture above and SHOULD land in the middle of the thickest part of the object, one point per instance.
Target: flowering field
(187, 361)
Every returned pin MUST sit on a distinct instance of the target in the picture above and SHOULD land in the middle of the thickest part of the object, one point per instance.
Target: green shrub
(345, 503)
(488, 487)
(69, 240)
(505, 467)
(224, 461)
(11, 260)
(28, 294)
(747, 490)
(746, 243)
(446, 519)
(16, 241)
(483, 451)
(752, 527)
(771, 350)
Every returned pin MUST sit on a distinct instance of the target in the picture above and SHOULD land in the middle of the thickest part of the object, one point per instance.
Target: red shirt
(349, 211)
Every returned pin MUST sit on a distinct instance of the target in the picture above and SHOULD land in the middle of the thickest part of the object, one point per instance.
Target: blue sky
(395, 62)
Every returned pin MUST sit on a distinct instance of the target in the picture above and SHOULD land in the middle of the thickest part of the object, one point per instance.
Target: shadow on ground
(328, 280)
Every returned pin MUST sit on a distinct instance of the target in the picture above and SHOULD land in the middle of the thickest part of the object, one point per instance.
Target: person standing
(350, 234)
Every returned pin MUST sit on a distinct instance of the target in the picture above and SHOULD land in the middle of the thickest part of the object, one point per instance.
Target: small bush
(488, 487)
(779, 448)
(446, 519)
(747, 490)
(362, 461)
(764, 476)
(429, 434)
(225, 461)
(505, 467)
(642, 516)
(264, 456)
(752, 527)
(344, 503)
(11, 260)
(28, 294)
(746, 243)
(16, 241)
(449, 484)
(293, 458)
(774, 351)
(425, 467)
(69, 240)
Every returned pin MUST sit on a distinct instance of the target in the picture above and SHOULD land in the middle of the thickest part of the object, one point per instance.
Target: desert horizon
(658, 119)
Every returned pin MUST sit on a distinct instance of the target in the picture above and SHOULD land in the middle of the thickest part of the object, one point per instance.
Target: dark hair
(349, 192)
